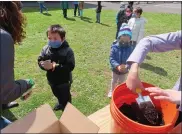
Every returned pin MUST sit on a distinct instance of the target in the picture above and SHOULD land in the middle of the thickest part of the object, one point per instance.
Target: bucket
(122, 124)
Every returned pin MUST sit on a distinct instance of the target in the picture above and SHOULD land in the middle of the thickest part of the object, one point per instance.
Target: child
(57, 58)
(42, 6)
(120, 51)
(123, 16)
(137, 25)
(98, 12)
(64, 6)
(81, 4)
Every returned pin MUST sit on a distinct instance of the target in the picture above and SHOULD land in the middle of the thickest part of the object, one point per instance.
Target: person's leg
(75, 9)
(64, 95)
(64, 13)
(40, 6)
(122, 78)
(45, 7)
(98, 17)
(78, 11)
(4, 122)
(113, 83)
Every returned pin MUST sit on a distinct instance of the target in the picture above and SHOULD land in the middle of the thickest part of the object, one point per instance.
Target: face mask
(128, 14)
(54, 44)
(133, 15)
(123, 44)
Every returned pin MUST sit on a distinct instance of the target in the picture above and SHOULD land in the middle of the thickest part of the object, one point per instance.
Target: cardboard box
(43, 120)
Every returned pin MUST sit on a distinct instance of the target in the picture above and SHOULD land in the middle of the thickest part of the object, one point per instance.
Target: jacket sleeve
(41, 58)
(156, 43)
(70, 64)
(112, 57)
(10, 89)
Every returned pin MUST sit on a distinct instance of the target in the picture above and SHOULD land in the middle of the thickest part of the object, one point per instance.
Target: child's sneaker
(110, 94)
(25, 95)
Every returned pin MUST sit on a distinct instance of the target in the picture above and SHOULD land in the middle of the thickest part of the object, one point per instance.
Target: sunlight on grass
(91, 44)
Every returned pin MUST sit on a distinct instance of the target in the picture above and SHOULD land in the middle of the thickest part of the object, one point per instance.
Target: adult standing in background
(75, 8)
(64, 6)
(42, 6)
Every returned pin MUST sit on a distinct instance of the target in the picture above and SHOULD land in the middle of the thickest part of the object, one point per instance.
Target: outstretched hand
(168, 94)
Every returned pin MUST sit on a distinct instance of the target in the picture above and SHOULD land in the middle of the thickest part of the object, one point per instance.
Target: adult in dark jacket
(57, 58)
(123, 16)
(11, 32)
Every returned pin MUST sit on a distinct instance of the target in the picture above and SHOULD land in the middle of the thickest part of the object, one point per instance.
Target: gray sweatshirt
(157, 43)
(10, 89)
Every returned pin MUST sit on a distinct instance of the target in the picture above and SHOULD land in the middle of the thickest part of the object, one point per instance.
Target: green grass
(91, 44)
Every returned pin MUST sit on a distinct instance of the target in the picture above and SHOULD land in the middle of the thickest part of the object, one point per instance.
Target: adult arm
(10, 89)
(156, 43)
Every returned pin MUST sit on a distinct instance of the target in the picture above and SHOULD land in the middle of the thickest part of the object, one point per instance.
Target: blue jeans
(41, 5)
(81, 12)
(4, 122)
(98, 17)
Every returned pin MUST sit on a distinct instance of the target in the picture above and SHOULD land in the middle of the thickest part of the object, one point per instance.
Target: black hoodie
(63, 56)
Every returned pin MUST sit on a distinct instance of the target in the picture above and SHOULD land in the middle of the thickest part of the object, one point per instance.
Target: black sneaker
(9, 105)
(58, 107)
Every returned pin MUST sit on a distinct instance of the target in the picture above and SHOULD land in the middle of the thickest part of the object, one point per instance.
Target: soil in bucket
(146, 115)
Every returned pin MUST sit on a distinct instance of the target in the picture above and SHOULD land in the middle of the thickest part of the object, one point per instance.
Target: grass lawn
(91, 44)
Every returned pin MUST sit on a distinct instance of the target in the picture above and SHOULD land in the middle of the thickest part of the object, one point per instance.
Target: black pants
(62, 92)
(65, 13)
(75, 10)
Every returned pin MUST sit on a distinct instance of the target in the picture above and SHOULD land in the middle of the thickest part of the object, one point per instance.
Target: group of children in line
(77, 6)
(130, 30)
(57, 58)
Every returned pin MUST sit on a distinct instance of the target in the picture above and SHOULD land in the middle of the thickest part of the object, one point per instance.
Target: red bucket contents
(121, 123)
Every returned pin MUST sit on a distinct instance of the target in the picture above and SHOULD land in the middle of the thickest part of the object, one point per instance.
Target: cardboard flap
(40, 120)
(73, 121)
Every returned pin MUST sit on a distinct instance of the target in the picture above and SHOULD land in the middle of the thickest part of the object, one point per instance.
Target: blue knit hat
(124, 29)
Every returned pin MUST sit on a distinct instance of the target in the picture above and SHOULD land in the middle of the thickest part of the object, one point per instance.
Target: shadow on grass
(105, 25)
(86, 19)
(47, 14)
(148, 57)
(156, 70)
(9, 115)
(71, 19)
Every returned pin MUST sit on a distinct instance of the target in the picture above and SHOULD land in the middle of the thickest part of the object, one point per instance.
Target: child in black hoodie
(98, 12)
(57, 58)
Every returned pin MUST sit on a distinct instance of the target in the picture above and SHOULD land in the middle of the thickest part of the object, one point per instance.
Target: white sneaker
(109, 94)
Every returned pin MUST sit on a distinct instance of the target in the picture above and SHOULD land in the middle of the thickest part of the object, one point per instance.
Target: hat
(124, 29)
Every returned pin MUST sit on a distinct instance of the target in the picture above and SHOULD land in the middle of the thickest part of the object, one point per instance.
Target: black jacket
(98, 9)
(122, 18)
(63, 56)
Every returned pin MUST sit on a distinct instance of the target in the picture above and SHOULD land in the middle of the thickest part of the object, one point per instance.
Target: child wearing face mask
(137, 25)
(120, 51)
(58, 60)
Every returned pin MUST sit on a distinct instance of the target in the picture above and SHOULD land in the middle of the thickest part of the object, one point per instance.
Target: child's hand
(122, 68)
(47, 65)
